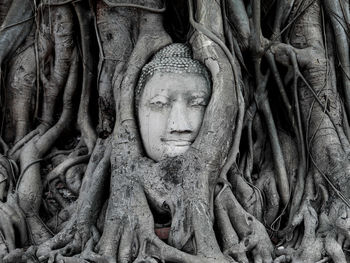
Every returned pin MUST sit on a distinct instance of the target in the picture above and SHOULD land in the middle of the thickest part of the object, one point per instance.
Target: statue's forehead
(168, 82)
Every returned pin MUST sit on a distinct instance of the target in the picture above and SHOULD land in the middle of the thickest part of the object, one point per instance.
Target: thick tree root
(324, 236)
(129, 234)
(18, 145)
(310, 248)
(244, 233)
(28, 192)
(12, 224)
(73, 238)
(20, 91)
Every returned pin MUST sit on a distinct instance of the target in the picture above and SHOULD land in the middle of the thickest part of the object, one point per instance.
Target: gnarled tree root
(72, 239)
(243, 232)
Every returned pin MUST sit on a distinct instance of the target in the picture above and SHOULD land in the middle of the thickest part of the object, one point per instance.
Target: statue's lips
(177, 142)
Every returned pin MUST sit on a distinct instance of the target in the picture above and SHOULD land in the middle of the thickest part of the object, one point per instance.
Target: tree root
(320, 240)
(85, 17)
(12, 224)
(236, 222)
(29, 187)
(20, 92)
(18, 145)
(230, 240)
(115, 52)
(73, 178)
(21, 15)
(129, 234)
(73, 238)
(58, 221)
(61, 169)
(310, 248)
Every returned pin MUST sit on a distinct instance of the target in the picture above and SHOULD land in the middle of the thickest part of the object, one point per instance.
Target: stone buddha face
(170, 112)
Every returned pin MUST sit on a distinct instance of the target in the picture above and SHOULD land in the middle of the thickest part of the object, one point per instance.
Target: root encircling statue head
(171, 97)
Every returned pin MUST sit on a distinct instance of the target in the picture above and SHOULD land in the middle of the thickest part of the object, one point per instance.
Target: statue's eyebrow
(199, 94)
(159, 95)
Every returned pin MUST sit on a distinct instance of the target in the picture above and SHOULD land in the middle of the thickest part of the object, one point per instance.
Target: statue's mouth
(177, 142)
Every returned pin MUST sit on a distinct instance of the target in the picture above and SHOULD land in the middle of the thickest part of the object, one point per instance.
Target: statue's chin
(168, 150)
(174, 150)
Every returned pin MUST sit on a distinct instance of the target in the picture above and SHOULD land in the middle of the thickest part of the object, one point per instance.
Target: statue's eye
(198, 102)
(159, 102)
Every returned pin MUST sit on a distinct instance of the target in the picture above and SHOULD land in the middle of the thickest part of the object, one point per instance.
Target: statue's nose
(178, 118)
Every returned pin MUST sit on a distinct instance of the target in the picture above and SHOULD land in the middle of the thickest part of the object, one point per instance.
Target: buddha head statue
(171, 97)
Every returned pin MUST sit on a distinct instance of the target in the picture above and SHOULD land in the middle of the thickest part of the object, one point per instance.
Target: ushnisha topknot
(175, 58)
